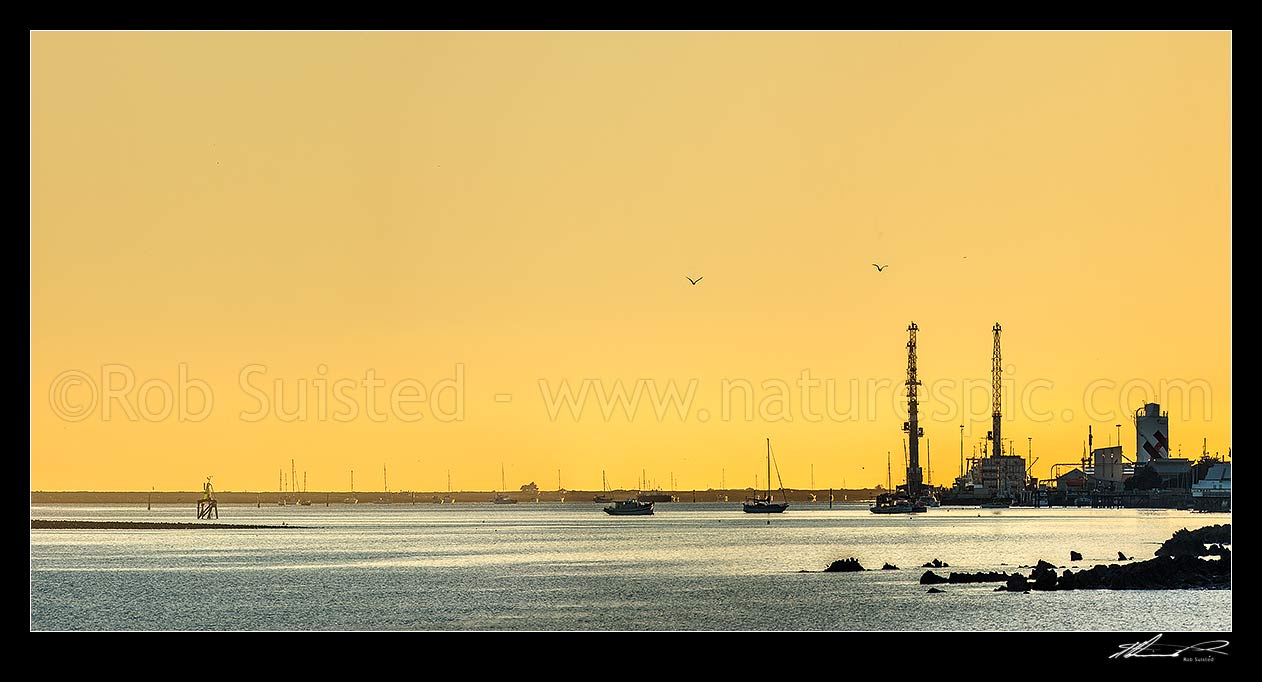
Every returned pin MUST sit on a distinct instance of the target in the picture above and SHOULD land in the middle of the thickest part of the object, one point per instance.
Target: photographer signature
(1155, 650)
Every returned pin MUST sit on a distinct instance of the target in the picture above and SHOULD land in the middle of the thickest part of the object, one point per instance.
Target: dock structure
(207, 506)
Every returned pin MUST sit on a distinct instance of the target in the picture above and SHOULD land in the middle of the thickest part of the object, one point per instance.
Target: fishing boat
(888, 503)
(766, 505)
(929, 500)
(630, 508)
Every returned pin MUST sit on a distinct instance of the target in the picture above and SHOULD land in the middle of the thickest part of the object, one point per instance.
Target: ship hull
(765, 508)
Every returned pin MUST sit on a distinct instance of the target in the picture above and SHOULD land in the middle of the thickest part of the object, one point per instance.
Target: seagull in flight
(693, 281)
(880, 267)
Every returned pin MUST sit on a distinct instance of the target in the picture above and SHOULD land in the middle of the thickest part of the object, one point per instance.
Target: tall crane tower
(912, 426)
(996, 379)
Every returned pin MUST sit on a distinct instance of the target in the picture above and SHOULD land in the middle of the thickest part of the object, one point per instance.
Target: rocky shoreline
(1179, 564)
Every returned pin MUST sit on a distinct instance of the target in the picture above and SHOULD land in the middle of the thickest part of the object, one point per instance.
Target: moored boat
(767, 505)
(887, 503)
(630, 508)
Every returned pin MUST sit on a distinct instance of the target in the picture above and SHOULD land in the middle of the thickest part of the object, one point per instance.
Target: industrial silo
(1152, 433)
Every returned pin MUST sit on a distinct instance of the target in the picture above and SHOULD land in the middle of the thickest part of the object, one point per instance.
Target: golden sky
(510, 211)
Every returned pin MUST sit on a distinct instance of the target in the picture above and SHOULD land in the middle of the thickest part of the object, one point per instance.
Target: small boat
(929, 500)
(351, 500)
(499, 497)
(630, 508)
(655, 496)
(761, 506)
(887, 503)
(604, 489)
(765, 505)
(996, 504)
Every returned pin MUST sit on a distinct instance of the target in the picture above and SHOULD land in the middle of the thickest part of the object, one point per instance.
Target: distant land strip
(40, 524)
(322, 498)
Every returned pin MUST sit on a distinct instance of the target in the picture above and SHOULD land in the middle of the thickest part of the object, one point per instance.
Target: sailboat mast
(502, 476)
(887, 470)
(768, 469)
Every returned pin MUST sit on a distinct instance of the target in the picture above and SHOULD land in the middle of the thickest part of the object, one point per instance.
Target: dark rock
(936, 564)
(889, 567)
(1017, 583)
(844, 566)
(931, 578)
(1192, 542)
(1074, 556)
(934, 590)
(1122, 557)
(1044, 576)
(1161, 573)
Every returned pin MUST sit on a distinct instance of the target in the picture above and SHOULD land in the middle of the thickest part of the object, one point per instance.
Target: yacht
(499, 497)
(604, 490)
(765, 505)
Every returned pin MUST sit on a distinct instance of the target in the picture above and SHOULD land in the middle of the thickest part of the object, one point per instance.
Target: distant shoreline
(321, 498)
(41, 524)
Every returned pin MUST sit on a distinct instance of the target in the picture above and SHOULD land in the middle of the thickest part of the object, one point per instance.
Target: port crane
(912, 425)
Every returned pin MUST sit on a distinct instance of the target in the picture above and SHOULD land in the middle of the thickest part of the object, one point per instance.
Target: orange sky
(525, 206)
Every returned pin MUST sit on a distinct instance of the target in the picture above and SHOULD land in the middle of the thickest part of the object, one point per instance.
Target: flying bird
(880, 267)
(694, 281)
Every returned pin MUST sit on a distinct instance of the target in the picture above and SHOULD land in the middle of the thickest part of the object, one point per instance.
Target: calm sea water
(572, 567)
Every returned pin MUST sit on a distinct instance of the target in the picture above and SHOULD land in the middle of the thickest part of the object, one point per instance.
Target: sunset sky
(494, 214)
